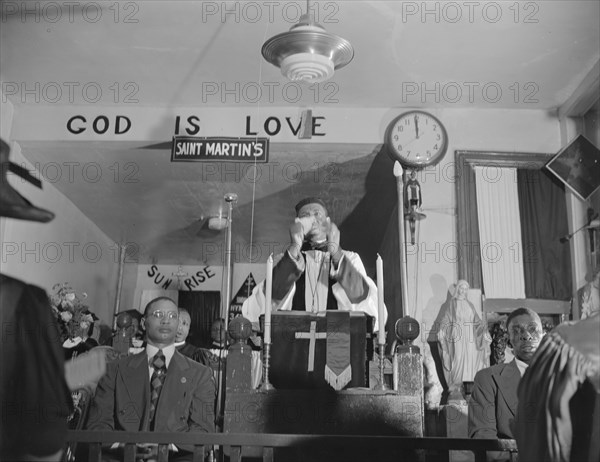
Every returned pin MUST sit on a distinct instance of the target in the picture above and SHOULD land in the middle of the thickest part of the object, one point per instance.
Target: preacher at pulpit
(315, 273)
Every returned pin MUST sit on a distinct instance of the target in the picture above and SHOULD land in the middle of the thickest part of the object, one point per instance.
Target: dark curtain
(204, 308)
(469, 255)
(543, 211)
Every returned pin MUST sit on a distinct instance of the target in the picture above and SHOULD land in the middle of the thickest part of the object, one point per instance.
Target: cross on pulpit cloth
(313, 336)
(318, 350)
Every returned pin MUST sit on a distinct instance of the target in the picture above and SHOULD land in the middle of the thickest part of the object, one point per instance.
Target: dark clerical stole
(318, 350)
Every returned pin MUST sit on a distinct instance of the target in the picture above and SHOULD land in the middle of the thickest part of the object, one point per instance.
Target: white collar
(521, 366)
(168, 351)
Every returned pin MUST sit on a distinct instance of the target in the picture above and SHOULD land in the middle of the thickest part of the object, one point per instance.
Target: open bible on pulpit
(320, 350)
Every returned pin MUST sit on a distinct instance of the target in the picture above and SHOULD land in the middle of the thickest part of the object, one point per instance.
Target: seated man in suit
(158, 389)
(128, 338)
(181, 344)
(493, 404)
(315, 273)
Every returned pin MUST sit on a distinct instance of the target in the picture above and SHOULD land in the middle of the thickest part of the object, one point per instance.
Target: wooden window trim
(469, 257)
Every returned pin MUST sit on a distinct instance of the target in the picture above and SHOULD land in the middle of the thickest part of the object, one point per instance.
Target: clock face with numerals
(416, 139)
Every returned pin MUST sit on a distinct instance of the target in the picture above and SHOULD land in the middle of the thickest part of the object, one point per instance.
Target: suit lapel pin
(183, 380)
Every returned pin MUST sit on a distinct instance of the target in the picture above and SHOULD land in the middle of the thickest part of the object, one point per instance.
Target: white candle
(268, 291)
(380, 304)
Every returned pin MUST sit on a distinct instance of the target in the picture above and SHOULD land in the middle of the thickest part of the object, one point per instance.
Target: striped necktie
(156, 382)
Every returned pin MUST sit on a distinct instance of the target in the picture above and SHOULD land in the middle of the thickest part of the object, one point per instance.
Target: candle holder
(266, 386)
(381, 385)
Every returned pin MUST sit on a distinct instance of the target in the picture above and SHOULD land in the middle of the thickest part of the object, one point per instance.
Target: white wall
(70, 248)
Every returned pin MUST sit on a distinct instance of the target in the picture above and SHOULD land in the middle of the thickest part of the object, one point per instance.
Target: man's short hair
(519, 312)
(157, 299)
(309, 200)
(134, 314)
(183, 310)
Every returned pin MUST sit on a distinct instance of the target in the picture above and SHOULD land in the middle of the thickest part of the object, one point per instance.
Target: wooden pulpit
(303, 401)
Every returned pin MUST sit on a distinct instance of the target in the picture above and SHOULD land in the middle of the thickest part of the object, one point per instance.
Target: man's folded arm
(102, 408)
(285, 274)
(353, 282)
(355, 288)
(482, 408)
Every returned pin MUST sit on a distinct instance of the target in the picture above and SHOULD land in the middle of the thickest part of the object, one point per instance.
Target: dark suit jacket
(193, 352)
(186, 402)
(34, 394)
(493, 404)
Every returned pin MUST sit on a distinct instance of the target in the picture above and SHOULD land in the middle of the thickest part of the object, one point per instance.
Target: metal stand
(398, 171)
(266, 385)
(230, 198)
(381, 385)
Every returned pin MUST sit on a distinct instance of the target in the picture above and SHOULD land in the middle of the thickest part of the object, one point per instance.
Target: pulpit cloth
(318, 350)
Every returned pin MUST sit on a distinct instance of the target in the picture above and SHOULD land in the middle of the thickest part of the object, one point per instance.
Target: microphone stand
(568, 237)
(230, 198)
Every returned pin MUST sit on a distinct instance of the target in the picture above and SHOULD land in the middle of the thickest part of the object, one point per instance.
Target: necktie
(156, 382)
(308, 245)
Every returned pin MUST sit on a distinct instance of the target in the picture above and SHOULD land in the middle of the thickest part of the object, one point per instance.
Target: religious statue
(463, 338)
(412, 203)
(589, 294)
(412, 194)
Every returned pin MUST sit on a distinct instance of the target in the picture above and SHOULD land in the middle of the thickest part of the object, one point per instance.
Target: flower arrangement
(73, 316)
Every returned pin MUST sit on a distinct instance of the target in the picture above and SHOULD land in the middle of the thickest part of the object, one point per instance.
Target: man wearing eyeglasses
(158, 389)
(493, 404)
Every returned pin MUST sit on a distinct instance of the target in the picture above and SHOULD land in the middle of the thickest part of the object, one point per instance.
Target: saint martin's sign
(203, 149)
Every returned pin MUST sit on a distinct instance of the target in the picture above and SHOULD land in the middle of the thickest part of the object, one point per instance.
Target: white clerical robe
(350, 268)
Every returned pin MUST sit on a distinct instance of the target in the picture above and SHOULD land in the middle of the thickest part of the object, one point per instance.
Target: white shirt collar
(521, 366)
(168, 351)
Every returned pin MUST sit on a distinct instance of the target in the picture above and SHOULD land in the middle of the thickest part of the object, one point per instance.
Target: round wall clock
(416, 139)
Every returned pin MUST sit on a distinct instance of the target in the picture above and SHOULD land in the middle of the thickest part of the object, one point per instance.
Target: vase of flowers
(74, 318)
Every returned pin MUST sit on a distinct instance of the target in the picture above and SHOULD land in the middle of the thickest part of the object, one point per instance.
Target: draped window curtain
(531, 203)
(204, 308)
(500, 232)
(543, 217)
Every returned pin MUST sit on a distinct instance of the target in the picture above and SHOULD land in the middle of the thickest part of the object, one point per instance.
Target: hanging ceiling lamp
(308, 53)
(218, 223)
